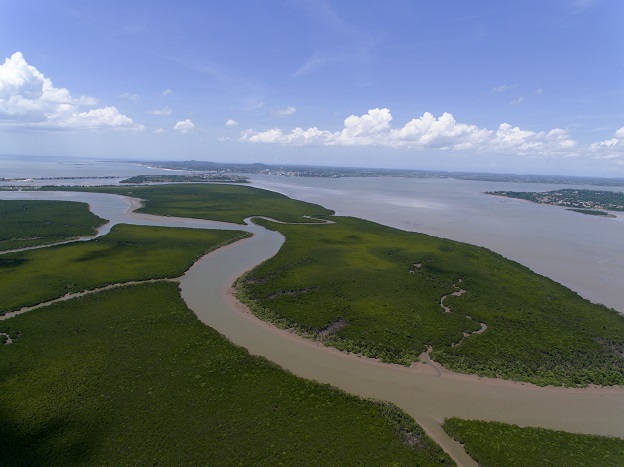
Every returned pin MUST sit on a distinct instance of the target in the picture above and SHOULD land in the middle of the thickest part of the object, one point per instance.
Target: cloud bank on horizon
(442, 133)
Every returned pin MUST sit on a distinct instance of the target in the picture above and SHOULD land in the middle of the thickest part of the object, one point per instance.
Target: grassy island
(127, 253)
(583, 201)
(28, 223)
(495, 444)
(228, 203)
(196, 178)
(389, 294)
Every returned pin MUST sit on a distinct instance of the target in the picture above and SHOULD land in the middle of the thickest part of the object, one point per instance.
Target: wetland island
(591, 202)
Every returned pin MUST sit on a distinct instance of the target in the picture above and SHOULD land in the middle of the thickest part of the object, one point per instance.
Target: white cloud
(282, 112)
(231, 122)
(503, 88)
(167, 92)
(130, 97)
(184, 126)
(106, 117)
(158, 131)
(441, 133)
(517, 101)
(612, 148)
(28, 98)
(425, 132)
(161, 112)
(539, 92)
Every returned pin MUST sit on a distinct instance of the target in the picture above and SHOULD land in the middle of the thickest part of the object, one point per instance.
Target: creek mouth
(424, 393)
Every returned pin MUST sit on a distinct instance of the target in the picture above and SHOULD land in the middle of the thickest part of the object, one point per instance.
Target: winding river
(427, 395)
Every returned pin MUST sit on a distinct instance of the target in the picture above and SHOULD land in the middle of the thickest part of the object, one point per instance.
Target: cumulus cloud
(282, 112)
(167, 92)
(106, 117)
(612, 148)
(231, 122)
(425, 132)
(184, 126)
(161, 112)
(28, 98)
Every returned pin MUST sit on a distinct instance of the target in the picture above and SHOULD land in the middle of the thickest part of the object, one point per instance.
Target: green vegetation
(185, 179)
(581, 199)
(127, 253)
(370, 289)
(496, 444)
(129, 376)
(228, 203)
(30, 223)
(591, 212)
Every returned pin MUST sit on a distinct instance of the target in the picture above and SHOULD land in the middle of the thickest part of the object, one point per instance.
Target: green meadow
(496, 444)
(227, 203)
(25, 223)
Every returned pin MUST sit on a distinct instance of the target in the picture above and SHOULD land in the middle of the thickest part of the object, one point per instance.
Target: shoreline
(420, 368)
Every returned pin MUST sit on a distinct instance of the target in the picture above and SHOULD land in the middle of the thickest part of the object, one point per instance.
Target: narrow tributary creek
(426, 394)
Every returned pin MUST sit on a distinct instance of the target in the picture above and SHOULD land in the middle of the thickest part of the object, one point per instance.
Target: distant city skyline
(517, 87)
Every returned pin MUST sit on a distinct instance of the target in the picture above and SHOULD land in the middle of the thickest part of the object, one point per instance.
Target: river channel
(425, 395)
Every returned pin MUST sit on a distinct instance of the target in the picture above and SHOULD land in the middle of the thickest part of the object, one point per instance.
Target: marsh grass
(25, 223)
(127, 253)
(364, 275)
(228, 203)
(496, 444)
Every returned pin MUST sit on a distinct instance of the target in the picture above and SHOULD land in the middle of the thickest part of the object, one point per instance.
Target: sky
(521, 86)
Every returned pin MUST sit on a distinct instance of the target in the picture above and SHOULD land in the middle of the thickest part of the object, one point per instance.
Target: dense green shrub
(25, 223)
(131, 377)
(127, 253)
(384, 286)
(496, 444)
(229, 203)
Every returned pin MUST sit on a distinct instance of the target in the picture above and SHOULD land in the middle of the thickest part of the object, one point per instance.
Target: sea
(584, 253)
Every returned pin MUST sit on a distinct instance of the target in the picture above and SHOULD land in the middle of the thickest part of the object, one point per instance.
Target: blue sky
(517, 86)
